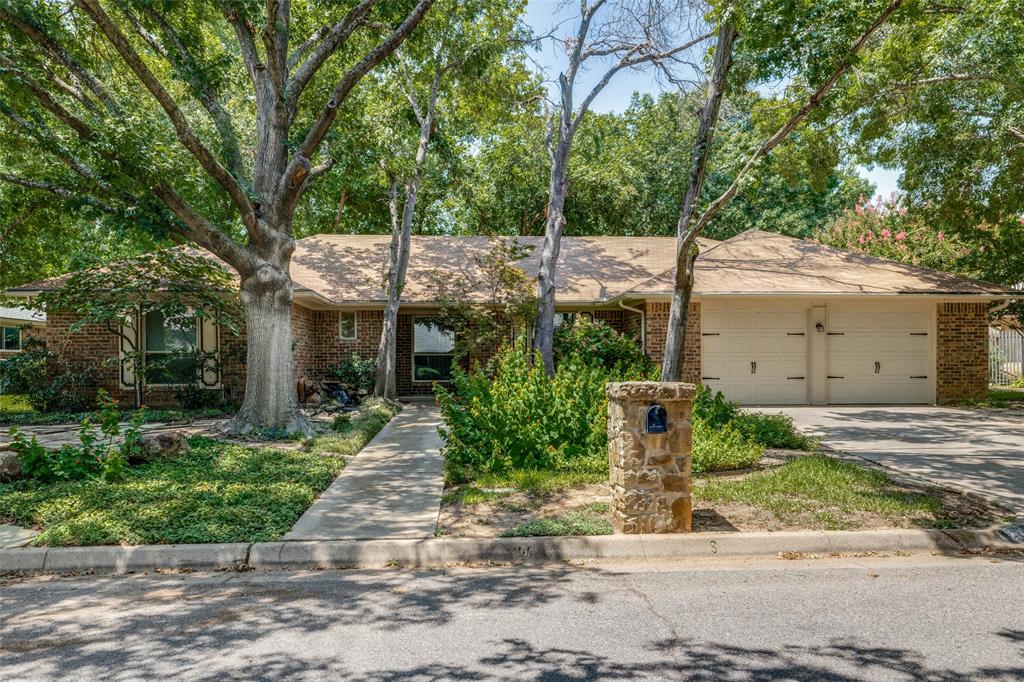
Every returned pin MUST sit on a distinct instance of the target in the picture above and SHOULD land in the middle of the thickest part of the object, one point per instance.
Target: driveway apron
(391, 489)
(980, 451)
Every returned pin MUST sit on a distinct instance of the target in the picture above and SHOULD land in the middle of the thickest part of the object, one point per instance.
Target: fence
(1005, 356)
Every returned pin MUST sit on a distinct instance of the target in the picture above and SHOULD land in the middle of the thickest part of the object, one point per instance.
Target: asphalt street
(897, 618)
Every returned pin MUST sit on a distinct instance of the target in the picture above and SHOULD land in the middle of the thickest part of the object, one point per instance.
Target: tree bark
(686, 246)
(545, 325)
(271, 400)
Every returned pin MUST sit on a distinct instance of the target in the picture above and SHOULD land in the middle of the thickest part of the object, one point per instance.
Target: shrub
(96, 456)
(355, 373)
(722, 448)
(26, 371)
(773, 431)
(196, 397)
(599, 344)
(48, 382)
(713, 409)
(522, 419)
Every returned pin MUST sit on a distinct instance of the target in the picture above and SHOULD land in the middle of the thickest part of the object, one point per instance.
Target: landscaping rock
(10, 466)
(163, 445)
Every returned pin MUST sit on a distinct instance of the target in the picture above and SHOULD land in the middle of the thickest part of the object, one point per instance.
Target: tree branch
(56, 190)
(60, 56)
(335, 37)
(782, 133)
(319, 129)
(181, 126)
(188, 70)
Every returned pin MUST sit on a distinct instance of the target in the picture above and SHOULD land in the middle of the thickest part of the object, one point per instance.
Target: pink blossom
(859, 209)
(1022, 220)
(886, 233)
(870, 235)
(901, 235)
(941, 237)
(981, 249)
(861, 240)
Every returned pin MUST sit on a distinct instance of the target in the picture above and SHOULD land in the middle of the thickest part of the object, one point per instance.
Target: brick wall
(961, 358)
(657, 330)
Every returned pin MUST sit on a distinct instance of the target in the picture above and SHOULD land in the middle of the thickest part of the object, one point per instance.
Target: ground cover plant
(218, 492)
(17, 415)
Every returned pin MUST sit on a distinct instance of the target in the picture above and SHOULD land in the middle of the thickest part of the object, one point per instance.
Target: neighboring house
(16, 326)
(774, 320)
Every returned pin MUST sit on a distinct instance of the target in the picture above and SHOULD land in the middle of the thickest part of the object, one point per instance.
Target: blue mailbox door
(657, 419)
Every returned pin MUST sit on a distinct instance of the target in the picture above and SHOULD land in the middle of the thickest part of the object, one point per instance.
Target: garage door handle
(919, 376)
(834, 377)
(711, 378)
(878, 367)
(753, 368)
(801, 378)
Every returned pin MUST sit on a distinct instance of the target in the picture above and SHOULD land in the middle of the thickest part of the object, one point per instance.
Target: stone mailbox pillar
(649, 452)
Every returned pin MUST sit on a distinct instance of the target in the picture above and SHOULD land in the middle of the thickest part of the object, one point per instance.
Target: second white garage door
(758, 357)
(879, 356)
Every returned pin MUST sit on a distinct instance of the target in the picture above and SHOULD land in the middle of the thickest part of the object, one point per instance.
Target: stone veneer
(657, 329)
(650, 472)
(961, 353)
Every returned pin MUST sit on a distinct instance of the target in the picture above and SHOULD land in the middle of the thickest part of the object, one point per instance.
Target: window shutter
(209, 343)
(126, 365)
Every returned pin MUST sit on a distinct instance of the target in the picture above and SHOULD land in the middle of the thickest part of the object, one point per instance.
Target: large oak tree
(206, 120)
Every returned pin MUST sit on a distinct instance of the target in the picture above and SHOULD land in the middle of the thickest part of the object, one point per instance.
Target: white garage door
(879, 356)
(758, 357)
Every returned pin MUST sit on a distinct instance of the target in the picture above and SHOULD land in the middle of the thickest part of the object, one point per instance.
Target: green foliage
(349, 434)
(24, 372)
(481, 304)
(96, 456)
(713, 408)
(218, 492)
(722, 448)
(773, 431)
(355, 373)
(48, 381)
(600, 345)
(586, 521)
(521, 419)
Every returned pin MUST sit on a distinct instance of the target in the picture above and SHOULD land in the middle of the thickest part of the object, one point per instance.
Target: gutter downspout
(1002, 306)
(643, 322)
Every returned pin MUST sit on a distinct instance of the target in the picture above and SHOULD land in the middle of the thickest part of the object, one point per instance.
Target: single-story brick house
(774, 320)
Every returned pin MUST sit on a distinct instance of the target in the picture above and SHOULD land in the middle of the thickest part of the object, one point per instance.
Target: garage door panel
(876, 354)
(773, 339)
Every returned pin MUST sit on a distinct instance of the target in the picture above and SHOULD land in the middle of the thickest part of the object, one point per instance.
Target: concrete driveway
(981, 451)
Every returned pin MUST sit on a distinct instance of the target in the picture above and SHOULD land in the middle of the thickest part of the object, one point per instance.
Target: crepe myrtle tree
(812, 44)
(612, 36)
(183, 286)
(208, 120)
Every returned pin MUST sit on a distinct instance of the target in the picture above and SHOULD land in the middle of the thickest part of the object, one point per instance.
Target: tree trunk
(544, 335)
(686, 240)
(271, 400)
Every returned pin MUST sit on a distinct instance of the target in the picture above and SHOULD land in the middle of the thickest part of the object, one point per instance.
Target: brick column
(650, 472)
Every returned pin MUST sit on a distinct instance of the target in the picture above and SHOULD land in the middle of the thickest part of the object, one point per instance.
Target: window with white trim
(433, 351)
(172, 347)
(10, 338)
(348, 326)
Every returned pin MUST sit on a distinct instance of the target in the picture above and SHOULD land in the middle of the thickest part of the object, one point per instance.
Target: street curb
(437, 552)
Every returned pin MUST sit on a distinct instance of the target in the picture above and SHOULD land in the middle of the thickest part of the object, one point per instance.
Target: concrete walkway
(391, 489)
(981, 451)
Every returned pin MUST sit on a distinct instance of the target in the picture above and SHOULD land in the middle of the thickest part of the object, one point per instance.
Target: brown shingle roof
(349, 269)
(757, 262)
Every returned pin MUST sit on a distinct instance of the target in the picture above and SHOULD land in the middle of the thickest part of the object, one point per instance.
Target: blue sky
(543, 15)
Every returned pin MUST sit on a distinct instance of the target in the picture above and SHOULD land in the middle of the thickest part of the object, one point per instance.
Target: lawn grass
(1004, 394)
(491, 487)
(218, 492)
(589, 520)
(13, 405)
(823, 492)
